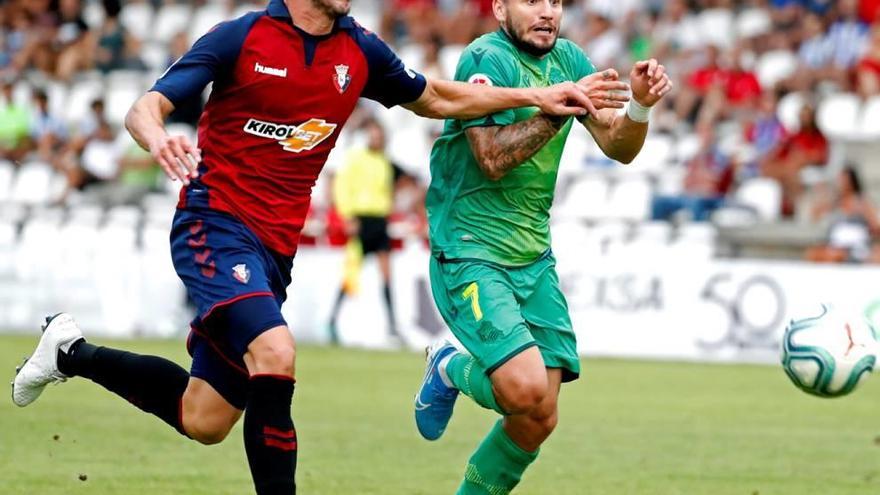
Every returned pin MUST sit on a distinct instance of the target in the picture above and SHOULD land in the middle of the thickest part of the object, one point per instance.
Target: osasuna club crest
(342, 78)
(241, 273)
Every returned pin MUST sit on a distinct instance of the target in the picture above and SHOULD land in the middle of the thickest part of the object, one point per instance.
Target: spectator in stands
(15, 124)
(709, 178)
(363, 193)
(806, 147)
(851, 218)
(73, 43)
(763, 132)
(733, 92)
(868, 68)
(48, 131)
(110, 50)
(698, 84)
(604, 42)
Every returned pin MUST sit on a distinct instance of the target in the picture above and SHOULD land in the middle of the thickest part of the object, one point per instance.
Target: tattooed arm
(500, 149)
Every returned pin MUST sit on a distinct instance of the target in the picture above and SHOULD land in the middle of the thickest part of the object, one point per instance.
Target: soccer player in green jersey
(492, 271)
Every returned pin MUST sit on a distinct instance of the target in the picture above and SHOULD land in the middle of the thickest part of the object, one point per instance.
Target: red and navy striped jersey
(279, 99)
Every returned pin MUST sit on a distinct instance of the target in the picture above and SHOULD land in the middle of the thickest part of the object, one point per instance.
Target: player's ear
(499, 8)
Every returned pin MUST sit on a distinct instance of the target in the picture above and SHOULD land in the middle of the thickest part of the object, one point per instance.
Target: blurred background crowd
(770, 130)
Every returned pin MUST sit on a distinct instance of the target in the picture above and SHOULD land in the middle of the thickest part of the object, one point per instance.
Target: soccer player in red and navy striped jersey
(285, 80)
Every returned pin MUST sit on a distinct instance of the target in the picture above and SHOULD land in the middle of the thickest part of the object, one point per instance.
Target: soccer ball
(830, 354)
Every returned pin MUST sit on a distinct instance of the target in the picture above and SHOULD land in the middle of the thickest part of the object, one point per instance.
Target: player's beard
(518, 39)
(333, 8)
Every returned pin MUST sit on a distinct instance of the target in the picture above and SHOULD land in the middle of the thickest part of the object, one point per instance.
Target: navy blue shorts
(237, 286)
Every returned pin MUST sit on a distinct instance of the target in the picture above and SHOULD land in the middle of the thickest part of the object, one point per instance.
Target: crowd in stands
(737, 66)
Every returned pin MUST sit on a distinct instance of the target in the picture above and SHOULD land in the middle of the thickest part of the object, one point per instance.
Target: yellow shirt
(364, 185)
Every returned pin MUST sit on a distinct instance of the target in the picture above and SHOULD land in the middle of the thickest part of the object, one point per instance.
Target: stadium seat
(670, 182)
(630, 199)
(121, 92)
(8, 240)
(206, 17)
(449, 56)
(171, 19)
(22, 93)
(155, 55)
(79, 99)
(774, 66)
(137, 18)
(7, 174)
(838, 116)
(607, 236)
(85, 214)
(654, 155)
(123, 216)
(753, 22)
(761, 194)
(717, 26)
(32, 184)
(586, 199)
(695, 241)
(870, 121)
(788, 110)
(686, 147)
(93, 14)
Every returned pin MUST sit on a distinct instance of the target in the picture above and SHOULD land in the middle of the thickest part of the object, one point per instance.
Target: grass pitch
(627, 427)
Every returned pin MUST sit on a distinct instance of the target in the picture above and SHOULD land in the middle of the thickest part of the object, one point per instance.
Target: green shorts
(496, 312)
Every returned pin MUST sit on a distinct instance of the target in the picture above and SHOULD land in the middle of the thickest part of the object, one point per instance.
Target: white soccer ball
(828, 355)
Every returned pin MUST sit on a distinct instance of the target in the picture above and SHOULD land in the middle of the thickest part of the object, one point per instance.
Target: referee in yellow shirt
(363, 192)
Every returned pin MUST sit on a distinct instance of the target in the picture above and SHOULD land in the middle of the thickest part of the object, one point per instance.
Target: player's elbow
(490, 169)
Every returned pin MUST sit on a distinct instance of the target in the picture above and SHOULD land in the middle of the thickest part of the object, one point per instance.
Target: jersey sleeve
(211, 57)
(390, 82)
(492, 66)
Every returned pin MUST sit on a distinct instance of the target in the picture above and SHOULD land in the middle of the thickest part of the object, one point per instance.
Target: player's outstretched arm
(500, 149)
(175, 154)
(621, 136)
(462, 101)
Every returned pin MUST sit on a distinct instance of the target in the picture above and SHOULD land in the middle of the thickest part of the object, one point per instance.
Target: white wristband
(637, 112)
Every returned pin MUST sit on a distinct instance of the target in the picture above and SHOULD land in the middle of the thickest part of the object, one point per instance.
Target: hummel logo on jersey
(262, 69)
(294, 138)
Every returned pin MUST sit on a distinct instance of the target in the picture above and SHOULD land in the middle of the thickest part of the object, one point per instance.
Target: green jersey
(505, 221)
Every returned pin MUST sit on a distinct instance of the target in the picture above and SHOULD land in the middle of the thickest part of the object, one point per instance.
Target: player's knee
(276, 359)
(206, 432)
(544, 424)
(523, 393)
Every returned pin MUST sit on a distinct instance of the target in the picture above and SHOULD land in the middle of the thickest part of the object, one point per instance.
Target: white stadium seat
(838, 116)
(170, 20)
(630, 199)
(449, 56)
(587, 199)
(7, 175)
(774, 66)
(206, 18)
(32, 184)
(763, 195)
(788, 110)
(870, 121)
(79, 99)
(716, 26)
(753, 22)
(137, 18)
(654, 155)
(122, 91)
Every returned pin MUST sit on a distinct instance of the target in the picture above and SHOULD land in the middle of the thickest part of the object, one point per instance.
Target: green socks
(470, 378)
(497, 465)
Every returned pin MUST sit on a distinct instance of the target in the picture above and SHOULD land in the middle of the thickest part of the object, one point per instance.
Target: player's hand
(605, 90)
(649, 82)
(177, 157)
(565, 99)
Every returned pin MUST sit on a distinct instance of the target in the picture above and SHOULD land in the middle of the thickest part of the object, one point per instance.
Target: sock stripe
(284, 434)
(288, 445)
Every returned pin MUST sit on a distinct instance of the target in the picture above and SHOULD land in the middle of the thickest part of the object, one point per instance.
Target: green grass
(626, 427)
